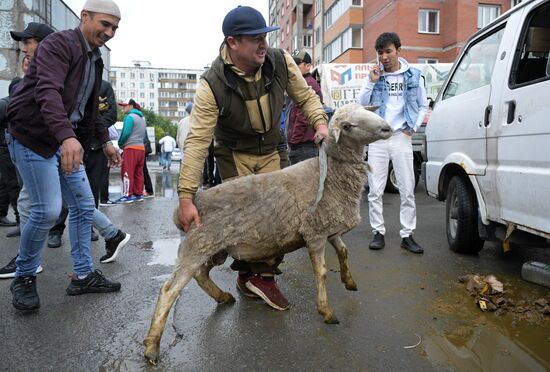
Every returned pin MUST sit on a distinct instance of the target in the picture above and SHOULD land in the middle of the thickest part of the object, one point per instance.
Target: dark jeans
(302, 152)
(147, 179)
(96, 168)
(9, 186)
(210, 173)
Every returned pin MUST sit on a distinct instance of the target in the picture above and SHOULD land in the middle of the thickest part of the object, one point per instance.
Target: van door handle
(488, 111)
(511, 111)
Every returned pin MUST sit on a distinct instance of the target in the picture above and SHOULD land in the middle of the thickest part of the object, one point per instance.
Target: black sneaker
(54, 240)
(113, 246)
(95, 282)
(377, 242)
(8, 271)
(16, 231)
(409, 244)
(23, 289)
(95, 237)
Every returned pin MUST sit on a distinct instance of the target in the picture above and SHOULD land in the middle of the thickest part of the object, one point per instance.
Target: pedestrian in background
(132, 143)
(42, 139)
(399, 91)
(300, 134)
(167, 146)
(249, 79)
(29, 38)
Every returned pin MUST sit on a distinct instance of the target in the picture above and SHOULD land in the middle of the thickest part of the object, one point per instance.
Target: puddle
(473, 340)
(165, 184)
(165, 252)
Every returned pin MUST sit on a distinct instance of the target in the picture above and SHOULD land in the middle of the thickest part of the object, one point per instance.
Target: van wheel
(391, 183)
(461, 217)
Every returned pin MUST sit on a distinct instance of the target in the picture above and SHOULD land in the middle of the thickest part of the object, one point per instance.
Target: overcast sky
(168, 33)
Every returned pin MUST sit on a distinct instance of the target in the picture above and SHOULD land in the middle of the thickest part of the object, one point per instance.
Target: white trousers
(398, 149)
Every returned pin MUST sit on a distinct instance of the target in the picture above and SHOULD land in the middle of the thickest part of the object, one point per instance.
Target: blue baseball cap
(244, 20)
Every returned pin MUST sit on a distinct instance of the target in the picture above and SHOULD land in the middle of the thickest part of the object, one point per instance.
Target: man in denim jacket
(400, 93)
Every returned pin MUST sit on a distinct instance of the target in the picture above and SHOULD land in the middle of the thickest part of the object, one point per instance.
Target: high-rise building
(344, 31)
(162, 90)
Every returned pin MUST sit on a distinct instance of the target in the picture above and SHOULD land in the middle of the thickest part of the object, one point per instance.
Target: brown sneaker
(242, 279)
(267, 289)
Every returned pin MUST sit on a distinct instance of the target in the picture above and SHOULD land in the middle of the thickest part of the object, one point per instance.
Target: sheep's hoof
(350, 285)
(226, 298)
(151, 352)
(332, 320)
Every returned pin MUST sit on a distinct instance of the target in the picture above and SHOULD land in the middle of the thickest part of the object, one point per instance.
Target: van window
(476, 65)
(531, 61)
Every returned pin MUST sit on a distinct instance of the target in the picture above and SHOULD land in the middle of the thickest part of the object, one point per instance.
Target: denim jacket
(380, 96)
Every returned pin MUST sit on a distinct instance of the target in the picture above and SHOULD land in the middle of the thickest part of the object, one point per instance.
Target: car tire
(391, 183)
(461, 217)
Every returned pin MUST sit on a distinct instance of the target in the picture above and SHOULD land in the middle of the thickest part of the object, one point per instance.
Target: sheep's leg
(206, 283)
(317, 257)
(342, 252)
(168, 294)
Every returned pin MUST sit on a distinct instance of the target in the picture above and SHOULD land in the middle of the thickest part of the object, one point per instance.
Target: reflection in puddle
(482, 349)
(473, 340)
(165, 183)
(165, 252)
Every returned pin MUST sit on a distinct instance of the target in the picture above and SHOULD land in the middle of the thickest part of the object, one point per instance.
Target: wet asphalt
(409, 312)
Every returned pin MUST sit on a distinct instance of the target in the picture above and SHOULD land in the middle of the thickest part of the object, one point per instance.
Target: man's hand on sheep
(322, 131)
(187, 214)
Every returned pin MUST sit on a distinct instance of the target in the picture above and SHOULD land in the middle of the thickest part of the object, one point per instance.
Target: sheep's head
(356, 124)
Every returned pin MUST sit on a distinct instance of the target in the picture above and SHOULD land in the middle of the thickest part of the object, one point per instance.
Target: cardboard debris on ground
(489, 295)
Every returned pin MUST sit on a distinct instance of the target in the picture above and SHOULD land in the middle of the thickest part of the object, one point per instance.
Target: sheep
(261, 217)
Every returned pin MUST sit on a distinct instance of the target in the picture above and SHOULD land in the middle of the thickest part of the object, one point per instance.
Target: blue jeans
(46, 185)
(166, 159)
(100, 221)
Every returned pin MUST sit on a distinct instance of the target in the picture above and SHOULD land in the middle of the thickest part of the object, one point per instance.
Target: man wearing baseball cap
(239, 101)
(300, 134)
(132, 142)
(52, 117)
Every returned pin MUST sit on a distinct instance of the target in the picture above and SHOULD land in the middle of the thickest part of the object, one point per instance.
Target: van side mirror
(431, 102)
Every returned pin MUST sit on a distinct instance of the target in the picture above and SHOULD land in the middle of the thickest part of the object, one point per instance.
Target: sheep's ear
(372, 108)
(369, 169)
(335, 131)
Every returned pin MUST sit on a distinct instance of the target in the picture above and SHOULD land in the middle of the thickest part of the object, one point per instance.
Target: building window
(318, 6)
(428, 21)
(132, 75)
(287, 28)
(122, 75)
(152, 95)
(351, 38)
(427, 60)
(132, 85)
(141, 85)
(317, 35)
(142, 95)
(122, 84)
(307, 41)
(141, 75)
(152, 77)
(151, 85)
(487, 14)
(338, 8)
(515, 2)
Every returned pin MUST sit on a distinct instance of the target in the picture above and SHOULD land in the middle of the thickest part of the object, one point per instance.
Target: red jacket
(40, 107)
(299, 130)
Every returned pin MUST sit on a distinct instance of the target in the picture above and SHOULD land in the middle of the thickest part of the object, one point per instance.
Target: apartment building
(164, 91)
(344, 31)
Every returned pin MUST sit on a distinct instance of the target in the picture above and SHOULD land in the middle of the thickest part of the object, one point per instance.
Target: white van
(488, 139)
